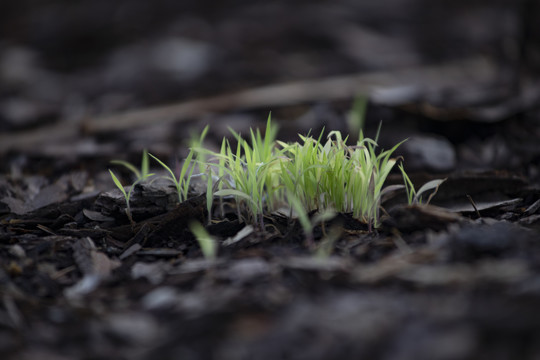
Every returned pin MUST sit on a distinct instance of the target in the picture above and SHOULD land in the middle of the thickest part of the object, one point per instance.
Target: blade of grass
(206, 242)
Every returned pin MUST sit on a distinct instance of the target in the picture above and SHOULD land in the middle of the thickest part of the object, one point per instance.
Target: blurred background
(67, 68)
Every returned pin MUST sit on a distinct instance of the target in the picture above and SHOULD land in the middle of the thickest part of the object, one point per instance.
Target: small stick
(474, 205)
(471, 70)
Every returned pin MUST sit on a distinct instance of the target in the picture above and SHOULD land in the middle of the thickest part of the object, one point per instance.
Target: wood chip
(91, 261)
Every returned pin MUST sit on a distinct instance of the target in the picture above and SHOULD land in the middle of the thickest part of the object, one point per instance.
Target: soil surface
(83, 83)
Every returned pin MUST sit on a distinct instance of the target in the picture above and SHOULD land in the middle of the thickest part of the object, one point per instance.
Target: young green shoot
(357, 116)
(206, 241)
(127, 195)
(409, 186)
(326, 245)
(140, 176)
(306, 223)
(415, 197)
(204, 167)
(209, 195)
(143, 173)
(196, 143)
(183, 180)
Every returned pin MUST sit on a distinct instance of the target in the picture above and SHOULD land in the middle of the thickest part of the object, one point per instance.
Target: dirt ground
(83, 83)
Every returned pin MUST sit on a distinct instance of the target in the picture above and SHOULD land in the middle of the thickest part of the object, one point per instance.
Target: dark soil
(86, 82)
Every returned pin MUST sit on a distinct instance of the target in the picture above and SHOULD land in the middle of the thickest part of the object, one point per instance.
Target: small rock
(159, 298)
(246, 270)
(501, 239)
(430, 153)
(17, 251)
(153, 272)
(133, 327)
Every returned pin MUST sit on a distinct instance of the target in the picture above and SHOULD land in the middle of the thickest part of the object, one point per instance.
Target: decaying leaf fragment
(94, 264)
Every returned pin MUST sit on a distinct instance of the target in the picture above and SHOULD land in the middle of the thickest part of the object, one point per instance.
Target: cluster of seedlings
(309, 177)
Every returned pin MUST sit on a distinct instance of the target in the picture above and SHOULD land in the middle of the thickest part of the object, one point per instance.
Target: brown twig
(429, 78)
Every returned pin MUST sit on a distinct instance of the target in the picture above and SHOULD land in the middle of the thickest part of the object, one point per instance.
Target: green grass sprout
(143, 173)
(206, 241)
(306, 223)
(196, 142)
(415, 197)
(127, 195)
(357, 116)
(204, 167)
(326, 245)
(184, 178)
(140, 176)
(209, 195)
(409, 186)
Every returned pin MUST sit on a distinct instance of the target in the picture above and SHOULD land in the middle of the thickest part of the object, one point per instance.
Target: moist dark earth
(83, 83)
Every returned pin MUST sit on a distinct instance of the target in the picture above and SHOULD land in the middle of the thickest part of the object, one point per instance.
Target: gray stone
(429, 153)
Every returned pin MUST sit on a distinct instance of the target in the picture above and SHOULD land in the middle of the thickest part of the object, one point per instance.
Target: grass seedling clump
(310, 176)
(337, 176)
(263, 174)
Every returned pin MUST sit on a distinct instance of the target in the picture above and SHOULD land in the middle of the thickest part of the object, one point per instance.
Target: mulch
(453, 279)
